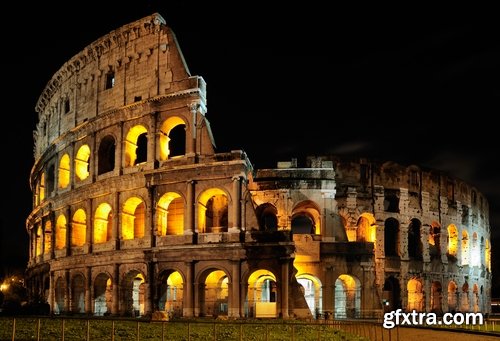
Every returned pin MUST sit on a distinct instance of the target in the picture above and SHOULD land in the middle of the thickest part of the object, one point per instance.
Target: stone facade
(134, 212)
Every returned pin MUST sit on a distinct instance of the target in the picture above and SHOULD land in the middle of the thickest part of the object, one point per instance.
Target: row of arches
(172, 143)
(474, 252)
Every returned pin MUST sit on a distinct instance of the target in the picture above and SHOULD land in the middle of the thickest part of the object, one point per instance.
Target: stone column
(236, 208)
(67, 294)
(119, 157)
(148, 304)
(89, 226)
(150, 228)
(187, 307)
(234, 307)
(284, 288)
(115, 304)
(191, 146)
(427, 295)
(88, 291)
(152, 139)
(189, 227)
(115, 233)
(68, 231)
(52, 292)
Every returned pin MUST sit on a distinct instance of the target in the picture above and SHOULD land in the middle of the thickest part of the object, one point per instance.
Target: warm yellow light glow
(259, 274)
(79, 228)
(415, 295)
(175, 279)
(219, 205)
(61, 232)
(366, 228)
(131, 144)
(348, 282)
(170, 214)
(452, 240)
(41, 192)
(64, 171)
(102, 223)
(487, 255)
(312, 211)
(465, 248)
(38, 241)
(82, 162)
(47, 241)
(133, 221)
(216, 285)
(4, 287)
(166, 127)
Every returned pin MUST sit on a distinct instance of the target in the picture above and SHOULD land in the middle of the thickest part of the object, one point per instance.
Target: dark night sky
(412, 85)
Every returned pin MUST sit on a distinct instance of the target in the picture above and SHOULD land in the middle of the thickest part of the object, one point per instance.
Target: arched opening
(47, 238)
(312, 292)
(136, 146)
(61, 232)
(476, 303)
(50, 179)
(487, 256)
(134, 294)
(391, 237)
(172, 138)
(267, 215)
(170, 292)
(214, 294)
(262, 294)
(347, 297)
(79, 228)
(464, 304)
(434, 240)
(78, 294)
(82, 164)
(60, 293)
(103, 295)
(475, 254)
(436, 297)
(452, 296)
(103, 223)
(64, 171)
(41, 188)
(465, 248)
(306, 218)
(366, 230)
(38, 241)
(414, 240)
(106, 155)
(391, 294)
(415, 295)
(170, 214)
(133, 218)
(452, 240)
(213, 211)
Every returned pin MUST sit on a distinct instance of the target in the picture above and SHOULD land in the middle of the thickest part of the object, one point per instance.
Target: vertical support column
(52, 292)
(152, 136)
(148, 304)
(68, 230)
(427, 295)
(191, 145)
(89, 236)
(52, 218)
(284, 287)
(42, 239)
(88, 291)
(236, 207)
(115, 234)
(189, 223)
(115, 307)
(444, 298)
(187, 307)
(119, 151)
(149, 231)
(234, 307)
(67, 294)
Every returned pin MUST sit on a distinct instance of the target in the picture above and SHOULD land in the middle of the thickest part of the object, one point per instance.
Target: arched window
(267, 215)
(487, 256)
(415, 295)
(136, 146)
(414, 240)
(306, 218)
(106, 155)
(50, 179)
(391, 203)
(38, 241)
(391, 237)
(133, 218)
(452, 296)
(213, 211)
(103, 223)
(82, 165)
(172, 138)
(452, 240)
(170, 214)
(434, 240)
(302, 223)
(64, 171)
(79, 228)
(366, 229)
(61, 232)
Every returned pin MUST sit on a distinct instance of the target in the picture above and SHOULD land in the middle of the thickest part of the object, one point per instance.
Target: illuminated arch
(133, 218)
(61, 232)
(213, 211)
(166, 150)
(133, 293)
(79, 228)
(214, 295)
(103, 294)
(347, 297)
(366, 230)
(306, 217)
(465, 248)
(64, 171)
(47, 237)
(262, 294)
(170, 214)
(452, 296)
(312, 292)
(82, 165)
(38, 242)
(452, 240)
(41, 188)
(415, 295)
(487, 255)
(103, 223)
(134, 147)
(170, 292)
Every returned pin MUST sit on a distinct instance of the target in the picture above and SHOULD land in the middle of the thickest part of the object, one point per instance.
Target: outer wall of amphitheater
(135, 212)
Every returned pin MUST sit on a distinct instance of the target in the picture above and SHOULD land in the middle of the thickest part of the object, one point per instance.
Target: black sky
(412, 85)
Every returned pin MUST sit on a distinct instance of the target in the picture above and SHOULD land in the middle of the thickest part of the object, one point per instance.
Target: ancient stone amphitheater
(134, 212)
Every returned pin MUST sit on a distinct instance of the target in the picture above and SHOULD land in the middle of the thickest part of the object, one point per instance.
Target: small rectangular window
(414, 178)
(137, 98)
(110, 80)
(66, 106)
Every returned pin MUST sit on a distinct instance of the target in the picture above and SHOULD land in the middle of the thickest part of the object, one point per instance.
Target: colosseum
(134, 212)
